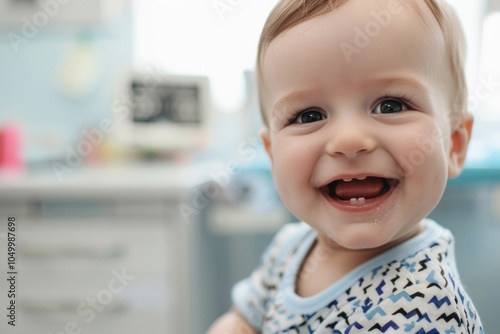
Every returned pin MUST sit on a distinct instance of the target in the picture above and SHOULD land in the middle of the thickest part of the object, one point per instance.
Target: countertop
(119, 181)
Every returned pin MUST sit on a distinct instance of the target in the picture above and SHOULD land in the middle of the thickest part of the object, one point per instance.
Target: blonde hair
(289, 13)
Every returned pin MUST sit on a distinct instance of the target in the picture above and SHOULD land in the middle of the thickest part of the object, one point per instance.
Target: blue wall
(31, 91)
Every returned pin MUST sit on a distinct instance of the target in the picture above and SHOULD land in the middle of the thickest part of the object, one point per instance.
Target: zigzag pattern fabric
(412, 288)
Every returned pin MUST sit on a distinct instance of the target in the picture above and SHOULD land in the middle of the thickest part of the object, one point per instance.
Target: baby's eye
(390, 106)
(308, 116)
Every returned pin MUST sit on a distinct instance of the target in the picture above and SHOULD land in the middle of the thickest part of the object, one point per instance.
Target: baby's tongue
(368, 188)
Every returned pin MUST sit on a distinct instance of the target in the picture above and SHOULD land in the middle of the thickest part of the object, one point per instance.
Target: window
(488, 108)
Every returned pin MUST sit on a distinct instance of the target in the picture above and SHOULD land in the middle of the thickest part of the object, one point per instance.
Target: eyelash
(297, 113)
(402, 98)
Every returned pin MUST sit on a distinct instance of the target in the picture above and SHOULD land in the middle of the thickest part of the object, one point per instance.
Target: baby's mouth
(359, 190)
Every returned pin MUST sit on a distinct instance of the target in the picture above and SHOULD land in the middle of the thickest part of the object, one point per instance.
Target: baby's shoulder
(431, 266)
(423, 289)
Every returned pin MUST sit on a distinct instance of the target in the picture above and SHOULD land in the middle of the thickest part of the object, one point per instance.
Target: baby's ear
(460, 137)
(265, 137)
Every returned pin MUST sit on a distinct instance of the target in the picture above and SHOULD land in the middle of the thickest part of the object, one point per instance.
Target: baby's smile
(358, 191)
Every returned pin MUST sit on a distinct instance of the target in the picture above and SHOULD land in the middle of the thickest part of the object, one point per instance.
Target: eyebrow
(406, 81)
(295, 95)
(384, 81)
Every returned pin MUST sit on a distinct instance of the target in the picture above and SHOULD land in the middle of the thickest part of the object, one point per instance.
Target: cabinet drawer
(149, 300)
(83, 246)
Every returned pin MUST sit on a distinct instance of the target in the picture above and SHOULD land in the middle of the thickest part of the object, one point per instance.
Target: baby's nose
(350, 140)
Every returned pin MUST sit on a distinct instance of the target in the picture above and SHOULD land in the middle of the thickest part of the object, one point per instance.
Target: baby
(364, 111)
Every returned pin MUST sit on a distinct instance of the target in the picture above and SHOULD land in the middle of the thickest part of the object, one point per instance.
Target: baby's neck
(325, 264)
(323, 267)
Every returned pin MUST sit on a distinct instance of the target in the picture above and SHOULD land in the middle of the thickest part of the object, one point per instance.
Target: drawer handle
(38, 253)
(68, 306)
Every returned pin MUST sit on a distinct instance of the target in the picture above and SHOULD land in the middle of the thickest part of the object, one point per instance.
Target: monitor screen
(161, 111)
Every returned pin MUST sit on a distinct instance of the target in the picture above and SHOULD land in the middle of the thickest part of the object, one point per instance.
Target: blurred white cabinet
(101, 252)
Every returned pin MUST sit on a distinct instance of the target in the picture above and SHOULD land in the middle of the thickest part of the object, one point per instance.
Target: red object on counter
(11, 148)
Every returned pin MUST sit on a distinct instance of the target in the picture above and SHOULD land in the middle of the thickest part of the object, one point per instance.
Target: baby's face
(359, 135)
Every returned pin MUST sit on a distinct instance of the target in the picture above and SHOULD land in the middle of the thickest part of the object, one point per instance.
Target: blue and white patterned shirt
(411, 288)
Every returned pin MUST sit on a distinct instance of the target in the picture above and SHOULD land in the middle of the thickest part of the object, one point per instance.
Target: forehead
(355, 42)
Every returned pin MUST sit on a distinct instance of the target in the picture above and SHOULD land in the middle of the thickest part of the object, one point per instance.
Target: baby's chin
(369, 235)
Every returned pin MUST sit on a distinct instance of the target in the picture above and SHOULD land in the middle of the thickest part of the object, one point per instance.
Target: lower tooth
(360, 200)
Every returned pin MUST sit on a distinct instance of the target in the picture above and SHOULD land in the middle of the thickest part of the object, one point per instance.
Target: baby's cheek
(424, 150)
(426, 163)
